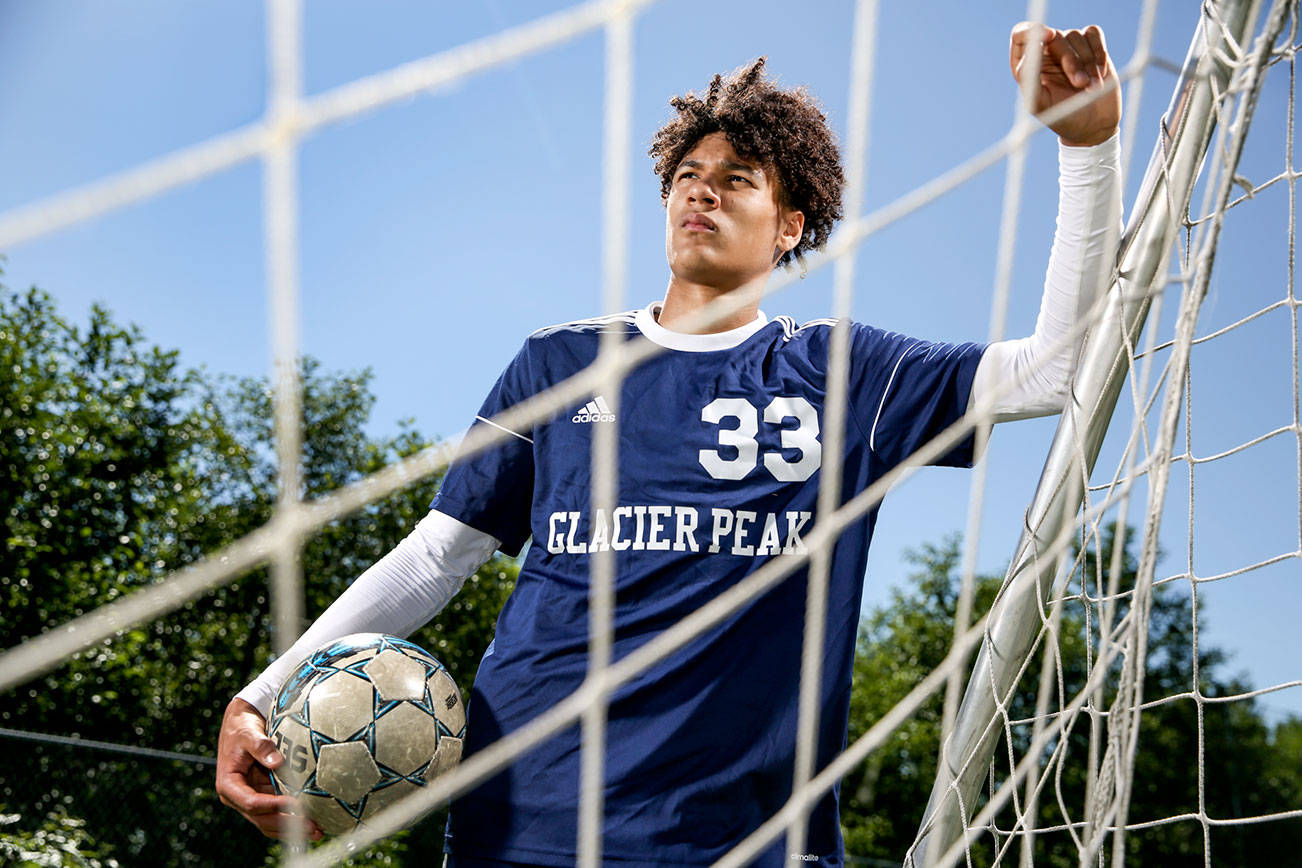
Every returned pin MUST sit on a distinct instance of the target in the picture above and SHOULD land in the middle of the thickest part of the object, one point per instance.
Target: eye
(741, 178)
(686, 174)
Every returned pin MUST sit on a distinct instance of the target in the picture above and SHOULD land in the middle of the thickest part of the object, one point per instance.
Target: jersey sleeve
(492, 491)
(905, 391)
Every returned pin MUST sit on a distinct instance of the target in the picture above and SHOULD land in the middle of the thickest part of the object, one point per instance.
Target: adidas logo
(596, 410)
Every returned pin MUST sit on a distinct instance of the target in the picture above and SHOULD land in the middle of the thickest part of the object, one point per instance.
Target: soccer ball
(363, 722)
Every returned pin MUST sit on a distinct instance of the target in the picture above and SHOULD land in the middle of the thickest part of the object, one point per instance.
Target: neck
(684, 301)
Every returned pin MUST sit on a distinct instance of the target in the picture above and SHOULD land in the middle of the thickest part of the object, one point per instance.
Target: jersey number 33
(742, 438)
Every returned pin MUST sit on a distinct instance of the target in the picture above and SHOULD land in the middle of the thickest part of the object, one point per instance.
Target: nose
(699, 191)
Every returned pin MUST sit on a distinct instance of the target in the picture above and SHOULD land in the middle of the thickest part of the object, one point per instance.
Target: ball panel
(346, 771)
(340, 705)
(405, 739)
(446, 756)
(347, 649)
(294, 741)
(407, 647)
(446, 699)
(292, 693)
(293, 705)
(352, 661)
(385, 796)
(332, 817)
(397, 676)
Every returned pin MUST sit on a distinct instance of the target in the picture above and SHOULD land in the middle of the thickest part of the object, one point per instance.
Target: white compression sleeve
(1031, 375)
(399, 593)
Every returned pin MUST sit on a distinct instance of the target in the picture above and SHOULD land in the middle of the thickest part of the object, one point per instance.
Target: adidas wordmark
(596, 410)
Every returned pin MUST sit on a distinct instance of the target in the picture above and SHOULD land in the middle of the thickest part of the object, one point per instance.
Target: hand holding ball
(363, 722)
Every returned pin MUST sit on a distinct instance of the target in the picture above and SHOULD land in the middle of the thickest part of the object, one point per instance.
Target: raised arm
(1030, 376)
(402, 591)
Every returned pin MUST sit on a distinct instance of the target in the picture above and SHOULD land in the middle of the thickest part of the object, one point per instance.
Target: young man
(719, 467)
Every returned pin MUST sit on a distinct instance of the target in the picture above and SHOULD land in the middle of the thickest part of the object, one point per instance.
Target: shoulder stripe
(790, 328)
(502, 428)
(606, 319)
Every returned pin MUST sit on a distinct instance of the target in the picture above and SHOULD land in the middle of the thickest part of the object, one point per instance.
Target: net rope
(1110, 776)
(291, 117)
(107, 746)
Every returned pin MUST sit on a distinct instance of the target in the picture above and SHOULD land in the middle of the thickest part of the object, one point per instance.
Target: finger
(1099, 47)
(1084, 53)
(244, 737)
(1017, 45)
(258, 746)
(245, 752)
(271, 813)
(234, 791)
(258, 779)
(283, 826)
(1063, 55)
(1019, 39)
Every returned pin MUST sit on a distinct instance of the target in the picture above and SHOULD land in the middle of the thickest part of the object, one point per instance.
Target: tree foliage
(1250, 768)
(120, 465)
(60, 841)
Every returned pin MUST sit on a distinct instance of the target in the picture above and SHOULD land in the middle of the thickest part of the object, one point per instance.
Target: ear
(791, 227)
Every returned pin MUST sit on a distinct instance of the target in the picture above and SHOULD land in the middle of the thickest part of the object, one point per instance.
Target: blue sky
(438, 232)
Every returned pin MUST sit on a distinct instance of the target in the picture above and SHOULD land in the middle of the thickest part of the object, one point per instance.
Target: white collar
(645, 320)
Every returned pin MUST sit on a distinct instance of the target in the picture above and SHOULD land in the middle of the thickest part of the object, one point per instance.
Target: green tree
(899, 644)
(119, 466)
(1250, 768)
(60, 841)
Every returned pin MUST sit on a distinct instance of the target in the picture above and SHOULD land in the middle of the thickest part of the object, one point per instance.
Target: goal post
(1219, 54)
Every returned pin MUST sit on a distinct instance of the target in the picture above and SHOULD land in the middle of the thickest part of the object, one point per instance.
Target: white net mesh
(1073, 744)
(1109, 685)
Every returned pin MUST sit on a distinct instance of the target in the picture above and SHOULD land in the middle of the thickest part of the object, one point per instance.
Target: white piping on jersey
(872, 433)
(950, 349)
(627, 316)
(824, 321)
(502, 428)
(790, 328)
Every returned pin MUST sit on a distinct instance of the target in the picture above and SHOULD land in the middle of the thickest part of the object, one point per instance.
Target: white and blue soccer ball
(363, 722)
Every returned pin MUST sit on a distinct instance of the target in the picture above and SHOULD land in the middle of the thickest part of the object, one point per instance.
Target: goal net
(1070, 685)
(1039, 758)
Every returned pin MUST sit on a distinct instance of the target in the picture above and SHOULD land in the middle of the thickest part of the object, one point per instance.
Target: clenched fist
(1071, 61)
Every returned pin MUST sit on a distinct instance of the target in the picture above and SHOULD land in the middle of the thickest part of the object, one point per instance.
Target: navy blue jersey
(719, 454)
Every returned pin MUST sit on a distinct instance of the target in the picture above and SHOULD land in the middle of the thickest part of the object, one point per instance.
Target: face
(724, 223)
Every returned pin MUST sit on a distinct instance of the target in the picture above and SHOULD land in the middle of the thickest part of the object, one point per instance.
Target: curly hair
(782, 130)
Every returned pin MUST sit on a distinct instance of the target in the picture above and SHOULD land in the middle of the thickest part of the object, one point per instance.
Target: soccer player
(720, 451)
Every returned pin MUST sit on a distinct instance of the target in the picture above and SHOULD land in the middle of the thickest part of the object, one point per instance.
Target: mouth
(698, 223)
